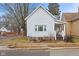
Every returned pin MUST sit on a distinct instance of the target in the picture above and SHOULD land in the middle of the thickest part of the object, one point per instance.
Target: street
(53, 52)
(24, 53)
(64, 52)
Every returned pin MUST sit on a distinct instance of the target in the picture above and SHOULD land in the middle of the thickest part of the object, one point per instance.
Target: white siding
(40, 17)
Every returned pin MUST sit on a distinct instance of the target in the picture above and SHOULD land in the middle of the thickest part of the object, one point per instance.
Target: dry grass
(64, 45)
(22, 42)
(75, 40)
(13, 41)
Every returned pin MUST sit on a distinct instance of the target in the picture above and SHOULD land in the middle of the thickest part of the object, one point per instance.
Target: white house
(41, 23)
(3, 29)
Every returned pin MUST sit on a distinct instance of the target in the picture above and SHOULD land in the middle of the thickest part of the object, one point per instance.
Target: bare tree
(17, 12)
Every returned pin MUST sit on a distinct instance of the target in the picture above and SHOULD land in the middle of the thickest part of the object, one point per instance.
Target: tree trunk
(25, 30)
(18, 31)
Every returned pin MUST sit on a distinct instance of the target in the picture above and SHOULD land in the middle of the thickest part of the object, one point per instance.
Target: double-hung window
(40, 28)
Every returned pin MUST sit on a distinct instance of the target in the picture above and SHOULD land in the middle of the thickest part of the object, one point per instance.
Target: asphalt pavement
(24, 53)
(52, 52)
(65, 52)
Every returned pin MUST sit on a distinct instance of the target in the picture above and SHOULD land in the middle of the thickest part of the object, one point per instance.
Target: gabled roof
(40, 6)
(71, 16)
(4, 29)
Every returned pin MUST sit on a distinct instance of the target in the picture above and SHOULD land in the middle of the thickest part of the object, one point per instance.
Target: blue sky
(64, 7)
(69, 7)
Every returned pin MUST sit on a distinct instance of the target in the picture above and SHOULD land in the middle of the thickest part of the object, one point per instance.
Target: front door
(58, 29)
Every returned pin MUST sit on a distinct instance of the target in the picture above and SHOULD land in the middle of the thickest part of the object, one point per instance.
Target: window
(44, 27)
(40, 27)
(35, 27)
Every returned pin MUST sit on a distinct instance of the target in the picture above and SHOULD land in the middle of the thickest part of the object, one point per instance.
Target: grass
(13, 41)
(23, 41)
(75, 40)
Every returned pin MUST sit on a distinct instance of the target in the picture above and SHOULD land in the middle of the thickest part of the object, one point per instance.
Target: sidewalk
(37, 48)
(29, 48)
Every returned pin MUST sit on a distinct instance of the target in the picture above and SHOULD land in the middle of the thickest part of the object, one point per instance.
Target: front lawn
(13, 41)
(23, 42)
(75, 40)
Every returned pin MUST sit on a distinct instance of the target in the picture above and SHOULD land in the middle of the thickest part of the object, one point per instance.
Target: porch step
(59, 38)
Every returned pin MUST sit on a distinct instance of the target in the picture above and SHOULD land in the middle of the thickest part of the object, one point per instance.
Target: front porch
(60, 29)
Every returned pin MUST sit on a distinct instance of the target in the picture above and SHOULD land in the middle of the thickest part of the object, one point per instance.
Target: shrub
(68, 39)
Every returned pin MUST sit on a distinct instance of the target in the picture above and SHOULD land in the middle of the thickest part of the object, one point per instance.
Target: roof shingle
(70, 16)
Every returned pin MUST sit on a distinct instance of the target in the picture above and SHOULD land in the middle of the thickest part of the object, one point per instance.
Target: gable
(41, 12)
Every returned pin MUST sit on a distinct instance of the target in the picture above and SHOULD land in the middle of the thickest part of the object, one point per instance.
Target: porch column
(64, 30)
(55, 33)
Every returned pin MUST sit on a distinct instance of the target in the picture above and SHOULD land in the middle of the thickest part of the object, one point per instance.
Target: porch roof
(60, 22)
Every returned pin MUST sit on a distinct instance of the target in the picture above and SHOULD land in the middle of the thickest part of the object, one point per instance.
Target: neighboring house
(3, 29)
(41, 23)
(72, 26)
